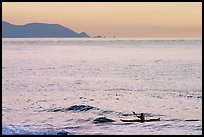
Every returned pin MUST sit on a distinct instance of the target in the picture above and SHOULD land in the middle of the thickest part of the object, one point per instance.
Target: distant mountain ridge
(38, 30)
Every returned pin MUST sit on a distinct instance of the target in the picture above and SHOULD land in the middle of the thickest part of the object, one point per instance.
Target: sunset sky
(122, 19)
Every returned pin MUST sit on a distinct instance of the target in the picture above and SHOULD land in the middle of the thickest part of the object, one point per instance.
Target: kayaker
(142, 118)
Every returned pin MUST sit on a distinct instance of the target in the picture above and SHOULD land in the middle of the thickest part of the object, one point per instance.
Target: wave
(16, 130)
(102, 120)
(72, 108)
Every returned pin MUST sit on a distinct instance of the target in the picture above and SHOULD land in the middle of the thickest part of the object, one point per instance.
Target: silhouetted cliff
(37, 30)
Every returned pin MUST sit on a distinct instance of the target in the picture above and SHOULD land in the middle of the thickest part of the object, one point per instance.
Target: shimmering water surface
(85, 86)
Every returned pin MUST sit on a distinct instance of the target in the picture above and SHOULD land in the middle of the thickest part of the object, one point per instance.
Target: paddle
(135, 114)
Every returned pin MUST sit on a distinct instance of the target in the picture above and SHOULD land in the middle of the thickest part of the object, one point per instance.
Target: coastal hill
(38, 30)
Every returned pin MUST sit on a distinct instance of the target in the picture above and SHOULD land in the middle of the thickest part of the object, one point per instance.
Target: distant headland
(39, 30)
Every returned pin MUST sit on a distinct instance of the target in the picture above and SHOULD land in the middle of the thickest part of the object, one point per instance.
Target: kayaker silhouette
(142, 118)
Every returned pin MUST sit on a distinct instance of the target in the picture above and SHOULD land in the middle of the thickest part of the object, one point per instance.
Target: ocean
(78, 86)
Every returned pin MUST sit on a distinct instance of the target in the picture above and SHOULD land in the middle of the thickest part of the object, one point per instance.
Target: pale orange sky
(122, 19)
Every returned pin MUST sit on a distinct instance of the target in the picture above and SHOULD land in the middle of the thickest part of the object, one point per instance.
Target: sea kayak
(138, 120)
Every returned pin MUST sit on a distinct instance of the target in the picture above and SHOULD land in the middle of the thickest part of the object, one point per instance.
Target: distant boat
(98, 37)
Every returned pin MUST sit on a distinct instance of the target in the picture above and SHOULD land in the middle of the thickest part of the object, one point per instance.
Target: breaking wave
(16, 130)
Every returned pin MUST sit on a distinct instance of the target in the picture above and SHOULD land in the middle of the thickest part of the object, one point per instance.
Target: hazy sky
(122, 19)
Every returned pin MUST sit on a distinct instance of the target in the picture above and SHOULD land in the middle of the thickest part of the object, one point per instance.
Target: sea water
(85, 86)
